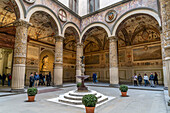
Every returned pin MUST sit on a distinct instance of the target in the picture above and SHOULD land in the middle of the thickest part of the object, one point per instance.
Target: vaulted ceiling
(95, 39)
(138, 29)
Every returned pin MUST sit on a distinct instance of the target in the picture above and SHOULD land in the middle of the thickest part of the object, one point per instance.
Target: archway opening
(96, 52)
(69, 54)
(139, 47)
(41, 39)
(9, 13)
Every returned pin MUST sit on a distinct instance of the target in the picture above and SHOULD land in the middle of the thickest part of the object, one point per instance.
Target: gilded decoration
(59, 50)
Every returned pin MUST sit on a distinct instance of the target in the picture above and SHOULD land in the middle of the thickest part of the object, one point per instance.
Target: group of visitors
(41, 79)
(152, 79)
(5, 77)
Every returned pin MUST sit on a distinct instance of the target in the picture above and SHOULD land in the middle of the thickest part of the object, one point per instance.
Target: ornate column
(113, 61)
(58, 69)
(165, 14)
(79, 53)
(20, 50)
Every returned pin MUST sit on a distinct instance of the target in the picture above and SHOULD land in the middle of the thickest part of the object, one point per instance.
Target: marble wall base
(18, 77)
(165, 77)
(58, 75)
(114, 77)
(167, 63)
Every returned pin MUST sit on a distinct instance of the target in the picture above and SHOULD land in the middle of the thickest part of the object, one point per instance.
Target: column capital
(23, 23)
(79, 44)
(59, 38)
(113, 38)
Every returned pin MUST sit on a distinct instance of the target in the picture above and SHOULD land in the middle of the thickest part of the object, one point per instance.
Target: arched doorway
(41, 45)
(96, 52)
(139, 47)
(69, 54)
(9, 13)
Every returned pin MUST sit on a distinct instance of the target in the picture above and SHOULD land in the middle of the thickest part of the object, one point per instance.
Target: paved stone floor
(139, 101)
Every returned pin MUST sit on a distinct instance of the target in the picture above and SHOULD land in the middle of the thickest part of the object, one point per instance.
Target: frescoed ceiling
(138, 29)
(95, 39)
(42, 29)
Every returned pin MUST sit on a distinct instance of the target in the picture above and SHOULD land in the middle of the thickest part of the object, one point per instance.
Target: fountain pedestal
(82, 88)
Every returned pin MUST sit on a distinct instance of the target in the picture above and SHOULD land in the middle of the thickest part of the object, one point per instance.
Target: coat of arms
(110, 16)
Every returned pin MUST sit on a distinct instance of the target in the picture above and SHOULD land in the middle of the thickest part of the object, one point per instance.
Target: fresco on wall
(121, 56)
(147, 53)
(95, 59)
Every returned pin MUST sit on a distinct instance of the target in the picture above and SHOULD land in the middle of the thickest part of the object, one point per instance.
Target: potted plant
(90, 102)
(78, 84)
(31, 94)
(123, 89)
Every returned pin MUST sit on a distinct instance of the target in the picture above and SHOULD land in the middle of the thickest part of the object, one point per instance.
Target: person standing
(135, 79)
(3, 79)
(41, 79)
(9, 79)
(146, 79)
(151, 78)
(140, 79)
(36, 79)
(156, 78)
(31, 80)
(50, 77)
(48, 80)
(94, 77)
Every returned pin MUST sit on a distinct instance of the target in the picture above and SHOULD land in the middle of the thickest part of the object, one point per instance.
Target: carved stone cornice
(22, 23)
(113, 39)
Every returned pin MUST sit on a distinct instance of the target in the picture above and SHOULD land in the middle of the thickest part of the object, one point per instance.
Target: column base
(169, 103)
(165, 88)
(18, 90)
(58, 86)
(114, 85)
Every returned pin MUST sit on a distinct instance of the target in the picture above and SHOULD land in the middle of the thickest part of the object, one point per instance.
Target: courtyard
(138, 101)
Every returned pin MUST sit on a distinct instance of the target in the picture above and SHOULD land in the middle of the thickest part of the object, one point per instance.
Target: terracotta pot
(124, 94)
(90, 109)
(31, 98)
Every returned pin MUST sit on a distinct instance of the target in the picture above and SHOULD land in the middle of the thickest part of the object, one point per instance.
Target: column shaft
(20, 50)
(113, 61)
(58, 70)
(79, 53)
(165, 14)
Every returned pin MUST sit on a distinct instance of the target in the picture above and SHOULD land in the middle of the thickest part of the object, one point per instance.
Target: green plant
(32, 91)
(78, 84)
(89, 100)
(123, 88)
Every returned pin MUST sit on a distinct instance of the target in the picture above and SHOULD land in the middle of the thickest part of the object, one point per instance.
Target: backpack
(10, 77)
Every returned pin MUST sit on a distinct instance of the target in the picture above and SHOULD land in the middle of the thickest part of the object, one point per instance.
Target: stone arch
(45, 9)
(147, 11)
(97, 24)
(72, 25)
(21, 9)
(46, 49)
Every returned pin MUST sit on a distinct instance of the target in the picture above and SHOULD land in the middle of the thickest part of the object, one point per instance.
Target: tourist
(31, 80)
(0, 78)
(9, 79)
(50, 76)
(94, 77)
(135, 79)
(36, 79)
(3, 79)
(48, 80)
(41, 79)
(156, 78)
(146, 79)
(151, 78)
(140, 79)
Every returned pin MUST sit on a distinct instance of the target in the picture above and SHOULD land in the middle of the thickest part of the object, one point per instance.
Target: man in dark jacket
(140, 79)
(151, 78)
(3, 79)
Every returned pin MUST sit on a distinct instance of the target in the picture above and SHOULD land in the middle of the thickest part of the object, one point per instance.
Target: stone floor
(139, 101)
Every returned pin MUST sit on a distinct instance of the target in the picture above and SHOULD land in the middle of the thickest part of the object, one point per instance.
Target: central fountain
(82, 88)
(74, 97)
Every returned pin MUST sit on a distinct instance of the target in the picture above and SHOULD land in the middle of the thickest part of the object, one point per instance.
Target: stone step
(81, 94)
(79, 102)
(67, 96)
